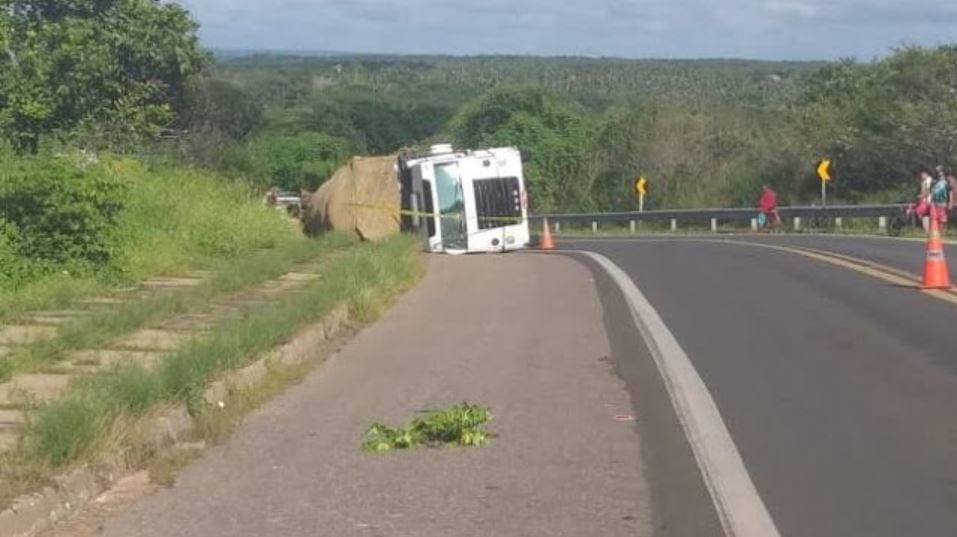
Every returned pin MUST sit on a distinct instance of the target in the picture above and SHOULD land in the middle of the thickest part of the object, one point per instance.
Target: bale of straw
(362, 198)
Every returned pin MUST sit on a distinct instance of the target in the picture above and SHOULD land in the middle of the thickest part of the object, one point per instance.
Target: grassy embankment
(88, 228)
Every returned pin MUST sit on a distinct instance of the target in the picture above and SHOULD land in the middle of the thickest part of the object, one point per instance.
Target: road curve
(839, 389)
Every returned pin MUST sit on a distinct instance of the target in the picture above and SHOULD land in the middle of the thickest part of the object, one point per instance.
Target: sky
(754, 29)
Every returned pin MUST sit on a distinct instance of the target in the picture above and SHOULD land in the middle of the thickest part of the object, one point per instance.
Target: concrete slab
(250, 302)
(11, 418)
(5, 351)
(103, 301)
(65, 313)
(300, 277)
(38, 387)
(279, 288)
(222, 311)
(48, 320)
(21, 334)
(105, 358)
(8, 440)
(195, 323)
(153, 339)
(172, 282)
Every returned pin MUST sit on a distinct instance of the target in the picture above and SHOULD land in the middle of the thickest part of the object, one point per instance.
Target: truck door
(450, 203)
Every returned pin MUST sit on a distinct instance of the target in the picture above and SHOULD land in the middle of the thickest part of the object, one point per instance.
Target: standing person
(768, 206)
(952, 198)
(924, 205)
(940, 197)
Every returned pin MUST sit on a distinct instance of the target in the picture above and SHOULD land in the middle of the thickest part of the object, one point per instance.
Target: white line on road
(740, 507)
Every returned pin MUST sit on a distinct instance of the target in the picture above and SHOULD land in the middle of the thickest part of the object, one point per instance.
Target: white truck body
(466, 201)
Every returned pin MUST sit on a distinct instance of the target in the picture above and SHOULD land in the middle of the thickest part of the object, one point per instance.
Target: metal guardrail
(724, 215)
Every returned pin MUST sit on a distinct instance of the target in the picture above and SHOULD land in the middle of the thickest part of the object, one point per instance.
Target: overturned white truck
(465, 201)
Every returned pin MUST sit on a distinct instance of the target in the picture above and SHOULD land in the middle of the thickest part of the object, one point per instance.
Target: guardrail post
(631, 226)
(754, 224)
(839, 223)
(797, 223)
(926, 222)
(714, 225)
(558, 226)
(882, 224)
(674, 225)
(594, 227)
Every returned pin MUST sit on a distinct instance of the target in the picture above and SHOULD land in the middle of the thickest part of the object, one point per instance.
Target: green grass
(91, 416)
(170, 220)
(93, 331)
(54, 292)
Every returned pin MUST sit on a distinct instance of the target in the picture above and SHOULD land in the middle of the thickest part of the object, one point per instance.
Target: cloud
(792, 7)
(771, 29)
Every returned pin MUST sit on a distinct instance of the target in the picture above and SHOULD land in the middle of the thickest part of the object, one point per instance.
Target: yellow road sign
(824, 170)
(641, 186)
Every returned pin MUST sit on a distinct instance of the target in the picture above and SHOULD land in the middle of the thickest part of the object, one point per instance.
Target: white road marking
(740, 507)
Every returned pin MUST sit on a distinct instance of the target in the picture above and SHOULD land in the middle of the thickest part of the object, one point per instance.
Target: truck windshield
(451, 206)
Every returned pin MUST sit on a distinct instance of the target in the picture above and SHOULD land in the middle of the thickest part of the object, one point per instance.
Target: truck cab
(465, 201)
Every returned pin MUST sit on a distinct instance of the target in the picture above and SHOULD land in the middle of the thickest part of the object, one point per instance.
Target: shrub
(176, 217)
(291, 162)
(63, 213)
(13, 269)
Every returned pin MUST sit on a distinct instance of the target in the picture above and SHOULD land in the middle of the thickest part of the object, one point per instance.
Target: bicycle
(907, 218)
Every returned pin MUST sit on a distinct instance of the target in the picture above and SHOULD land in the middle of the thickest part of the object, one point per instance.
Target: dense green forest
(85, 79)
(706, 132)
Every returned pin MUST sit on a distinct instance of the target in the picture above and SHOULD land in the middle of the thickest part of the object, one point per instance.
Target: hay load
(362, 198)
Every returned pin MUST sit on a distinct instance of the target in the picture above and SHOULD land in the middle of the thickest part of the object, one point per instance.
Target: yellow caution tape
(421, 214)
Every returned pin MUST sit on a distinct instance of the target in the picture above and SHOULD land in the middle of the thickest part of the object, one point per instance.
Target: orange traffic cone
(936, 275)
(545, 242)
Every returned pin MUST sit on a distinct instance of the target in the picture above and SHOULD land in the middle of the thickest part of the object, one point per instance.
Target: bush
(75, 221)
(291, 162)
(63, 212)
(14, 269)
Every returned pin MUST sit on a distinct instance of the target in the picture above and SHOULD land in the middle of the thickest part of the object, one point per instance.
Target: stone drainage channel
(148, 345)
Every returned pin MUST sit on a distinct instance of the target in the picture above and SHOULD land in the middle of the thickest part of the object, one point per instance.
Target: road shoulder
(522, 334)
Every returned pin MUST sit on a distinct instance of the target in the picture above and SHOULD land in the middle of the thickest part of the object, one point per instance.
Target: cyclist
(768, 208)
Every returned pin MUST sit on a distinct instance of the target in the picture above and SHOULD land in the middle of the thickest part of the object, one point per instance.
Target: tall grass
(177, 218)
(162, 219)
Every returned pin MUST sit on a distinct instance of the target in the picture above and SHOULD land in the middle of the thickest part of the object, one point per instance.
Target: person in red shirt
(768, 206)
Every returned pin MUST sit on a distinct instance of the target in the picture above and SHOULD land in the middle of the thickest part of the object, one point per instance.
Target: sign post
(641, 188)
(824, 172)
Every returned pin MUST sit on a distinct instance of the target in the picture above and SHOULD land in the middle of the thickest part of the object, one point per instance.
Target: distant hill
(596, 83)
(232, 53)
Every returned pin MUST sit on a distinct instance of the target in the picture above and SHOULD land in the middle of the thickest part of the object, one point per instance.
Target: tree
(116, 68)
(303, 160)
(554, 139)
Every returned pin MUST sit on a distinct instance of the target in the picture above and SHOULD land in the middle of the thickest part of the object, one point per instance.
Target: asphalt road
(906, 255)
(522, 334)
(839, 390)
(901, 254)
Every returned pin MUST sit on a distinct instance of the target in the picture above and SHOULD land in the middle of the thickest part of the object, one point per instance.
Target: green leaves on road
(461, 425)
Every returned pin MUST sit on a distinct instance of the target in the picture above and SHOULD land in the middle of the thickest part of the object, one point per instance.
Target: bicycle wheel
(895, 226)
